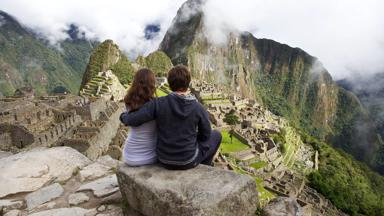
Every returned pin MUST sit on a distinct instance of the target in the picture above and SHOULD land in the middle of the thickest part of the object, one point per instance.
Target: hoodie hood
(182, 106)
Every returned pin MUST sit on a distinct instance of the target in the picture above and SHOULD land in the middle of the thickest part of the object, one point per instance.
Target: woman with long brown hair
(140, 146)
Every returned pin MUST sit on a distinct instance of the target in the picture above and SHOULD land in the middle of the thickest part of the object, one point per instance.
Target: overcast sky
(344, 34)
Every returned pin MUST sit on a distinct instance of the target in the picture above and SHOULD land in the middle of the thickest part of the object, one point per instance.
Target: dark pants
(205, 155)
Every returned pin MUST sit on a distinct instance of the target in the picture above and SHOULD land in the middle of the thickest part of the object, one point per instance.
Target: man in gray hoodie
(184, 135)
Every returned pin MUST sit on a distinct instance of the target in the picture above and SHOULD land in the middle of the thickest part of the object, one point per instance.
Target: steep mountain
(108, 56)
(370, 90)
(103, 57)
(27, 60)
(289, 81)
(157, 61)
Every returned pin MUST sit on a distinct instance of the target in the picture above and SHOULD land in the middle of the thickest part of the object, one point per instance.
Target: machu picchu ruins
(90, 124)
(281, 173)
(64, 140)
(87, 124)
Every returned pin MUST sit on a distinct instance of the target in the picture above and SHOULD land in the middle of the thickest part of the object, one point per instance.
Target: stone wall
(91, 109)
(12, 136)
(26, 112)
(54, 133)
(93, 137)
(100, 142)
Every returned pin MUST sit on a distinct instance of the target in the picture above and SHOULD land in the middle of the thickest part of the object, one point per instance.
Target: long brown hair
(142, 89)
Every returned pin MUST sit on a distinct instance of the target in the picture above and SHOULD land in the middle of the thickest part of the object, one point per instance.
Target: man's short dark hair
(179, 78)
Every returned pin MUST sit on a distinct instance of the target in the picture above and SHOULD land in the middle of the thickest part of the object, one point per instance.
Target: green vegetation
(228, 147)
(165, 88)
(289, 142)
(279, 139)
(160, 93)
(124, 70)
(264, 194)
(103, 57)
(231, 119)
(349, 184)
(158, 62)
(259, 164)
(28, 61)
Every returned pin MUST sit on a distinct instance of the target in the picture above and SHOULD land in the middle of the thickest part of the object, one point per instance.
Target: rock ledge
(202, 191)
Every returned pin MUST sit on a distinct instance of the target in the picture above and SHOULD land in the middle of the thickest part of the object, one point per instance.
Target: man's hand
(145, 114)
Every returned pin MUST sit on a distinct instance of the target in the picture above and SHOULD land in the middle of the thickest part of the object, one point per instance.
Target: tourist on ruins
(140, 146)
(184, 135)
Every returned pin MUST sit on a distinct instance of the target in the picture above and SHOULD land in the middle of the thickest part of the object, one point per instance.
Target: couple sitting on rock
(173, 130)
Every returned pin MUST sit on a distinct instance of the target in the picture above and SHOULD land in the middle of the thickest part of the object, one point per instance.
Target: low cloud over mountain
(346, 35)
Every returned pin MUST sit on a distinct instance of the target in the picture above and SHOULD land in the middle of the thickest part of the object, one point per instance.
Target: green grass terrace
(228, 147)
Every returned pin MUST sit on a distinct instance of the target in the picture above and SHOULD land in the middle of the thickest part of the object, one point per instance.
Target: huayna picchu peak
(291, 140)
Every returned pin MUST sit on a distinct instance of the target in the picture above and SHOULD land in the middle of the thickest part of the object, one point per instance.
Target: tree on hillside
(231, 119)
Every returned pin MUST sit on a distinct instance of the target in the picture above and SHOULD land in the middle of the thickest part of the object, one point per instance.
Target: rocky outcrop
(29, 171)
(58, 181)
(202, 191)
(282, 206)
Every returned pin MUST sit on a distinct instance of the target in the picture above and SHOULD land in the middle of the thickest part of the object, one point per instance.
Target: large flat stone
(75, 211)
(43, 195)
(108, 161)
(202, 191)
(93, 171)
(77, 198)
(31, 170)
(102, 187)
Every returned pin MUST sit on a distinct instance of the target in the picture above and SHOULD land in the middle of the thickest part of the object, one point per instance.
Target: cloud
(346, 35)
(123, 21)
(2, 20)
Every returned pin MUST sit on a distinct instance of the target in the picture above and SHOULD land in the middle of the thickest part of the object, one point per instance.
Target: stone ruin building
(26, 122)
(87, 125)
(27, 91)
(92, 137)
(203, 90)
